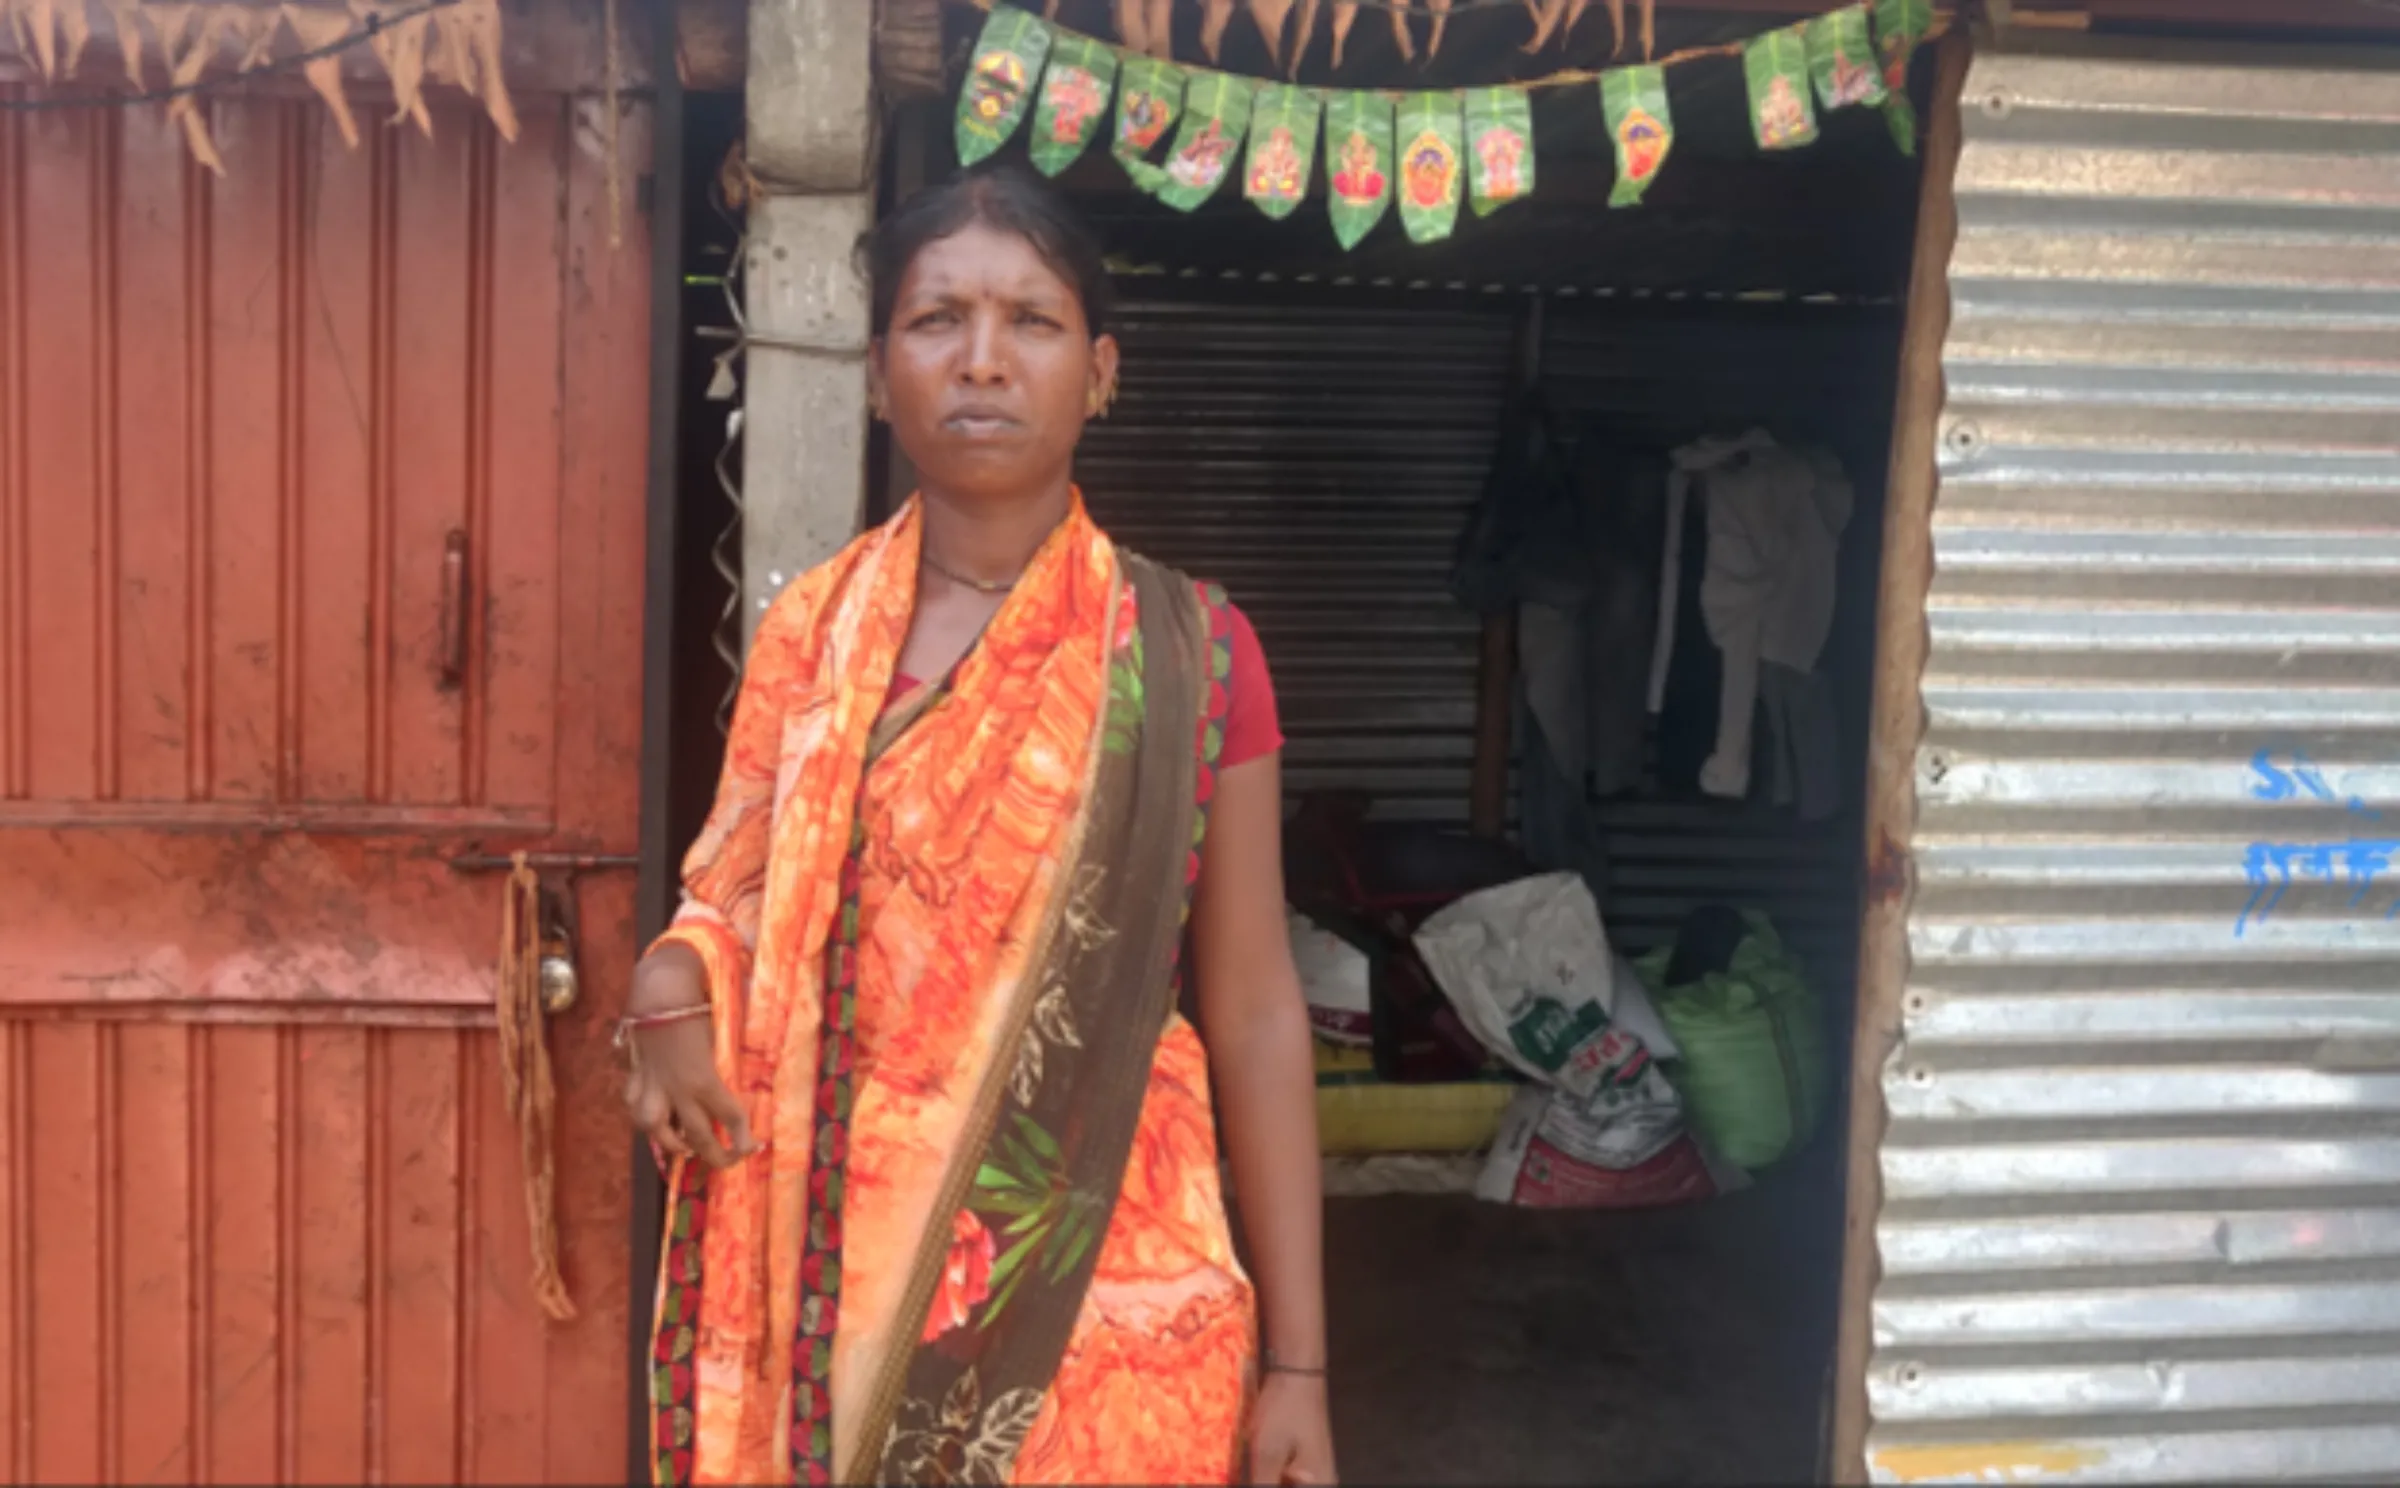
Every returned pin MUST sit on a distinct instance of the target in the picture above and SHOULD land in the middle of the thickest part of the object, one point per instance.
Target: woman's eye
(934, 320)
(1038, 319)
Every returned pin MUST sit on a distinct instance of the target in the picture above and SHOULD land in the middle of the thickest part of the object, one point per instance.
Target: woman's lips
(980, 423)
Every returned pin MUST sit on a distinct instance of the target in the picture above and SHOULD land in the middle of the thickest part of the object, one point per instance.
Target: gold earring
(1101, 402)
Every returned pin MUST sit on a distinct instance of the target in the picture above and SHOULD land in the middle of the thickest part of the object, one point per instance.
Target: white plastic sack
(1333, 977)
(1637, 1014)
(1528, 967)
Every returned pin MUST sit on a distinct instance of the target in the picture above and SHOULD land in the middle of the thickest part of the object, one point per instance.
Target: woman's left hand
(1291, 1433)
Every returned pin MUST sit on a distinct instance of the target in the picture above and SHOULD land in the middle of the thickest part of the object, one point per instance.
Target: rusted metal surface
(260, 1213)
(2138, 1215)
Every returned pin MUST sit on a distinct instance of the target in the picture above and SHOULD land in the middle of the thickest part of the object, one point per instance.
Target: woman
(942, 1165)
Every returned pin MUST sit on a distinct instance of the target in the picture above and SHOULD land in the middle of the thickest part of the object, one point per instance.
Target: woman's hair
(1006, 198)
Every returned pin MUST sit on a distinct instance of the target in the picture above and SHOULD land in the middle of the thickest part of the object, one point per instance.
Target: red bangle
(632, 1023)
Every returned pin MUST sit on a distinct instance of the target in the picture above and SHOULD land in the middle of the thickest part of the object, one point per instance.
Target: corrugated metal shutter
(1318, 461)
(2141, 1183)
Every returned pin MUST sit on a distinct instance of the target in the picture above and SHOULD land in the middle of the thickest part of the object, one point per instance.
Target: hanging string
(525, 1079)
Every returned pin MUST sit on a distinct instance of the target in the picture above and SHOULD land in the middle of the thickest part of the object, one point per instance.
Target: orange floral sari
(983, 1241)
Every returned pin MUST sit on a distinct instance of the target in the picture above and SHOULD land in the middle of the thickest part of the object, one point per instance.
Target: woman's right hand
(673, 1094)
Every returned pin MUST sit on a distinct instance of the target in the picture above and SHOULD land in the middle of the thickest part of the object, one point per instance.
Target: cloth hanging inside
(1775, 518)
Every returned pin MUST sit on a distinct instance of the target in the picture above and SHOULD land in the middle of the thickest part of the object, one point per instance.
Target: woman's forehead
(981, 259)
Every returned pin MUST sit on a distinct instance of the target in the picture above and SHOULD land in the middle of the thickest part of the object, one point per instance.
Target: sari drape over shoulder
(983, 1239)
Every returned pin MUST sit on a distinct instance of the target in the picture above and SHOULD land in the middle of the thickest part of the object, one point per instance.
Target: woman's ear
(878, 404)
(1103, 389)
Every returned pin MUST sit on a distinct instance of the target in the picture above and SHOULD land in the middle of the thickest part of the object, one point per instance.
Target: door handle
(454, 611)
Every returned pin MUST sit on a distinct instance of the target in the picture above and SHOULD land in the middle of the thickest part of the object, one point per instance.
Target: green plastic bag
(999, 85)
(1752, 1065)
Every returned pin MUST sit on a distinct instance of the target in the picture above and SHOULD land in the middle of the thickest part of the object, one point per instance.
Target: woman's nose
(986, 360)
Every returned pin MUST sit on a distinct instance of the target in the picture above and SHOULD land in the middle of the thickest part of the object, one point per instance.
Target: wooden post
(811, 141)
(1495, 697)
(1496, 666)
(1899, 726)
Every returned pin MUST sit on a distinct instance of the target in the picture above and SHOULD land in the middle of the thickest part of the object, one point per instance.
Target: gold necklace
(980, 586)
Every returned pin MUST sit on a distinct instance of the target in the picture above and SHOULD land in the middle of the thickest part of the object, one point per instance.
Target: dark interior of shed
(1314, 428)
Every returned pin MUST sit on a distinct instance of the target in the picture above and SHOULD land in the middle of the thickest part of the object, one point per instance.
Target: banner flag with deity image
(1899, 26)
(1780, 112)
(1499, 147)
(1428, 128)
(1073, 101)
(1216, 114)
(1283, 148)
(1008, 57)
(1149, 98)
(1642, 126)
(1841, 56)
(1358, 163)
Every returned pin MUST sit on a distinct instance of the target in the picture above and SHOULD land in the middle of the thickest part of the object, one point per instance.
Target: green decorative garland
(1425, 151)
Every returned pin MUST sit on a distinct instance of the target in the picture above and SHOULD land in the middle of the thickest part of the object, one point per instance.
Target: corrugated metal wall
(1319, 454)
(2142, 1178)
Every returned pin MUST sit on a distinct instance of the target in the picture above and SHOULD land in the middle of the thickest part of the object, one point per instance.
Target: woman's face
(987, 370)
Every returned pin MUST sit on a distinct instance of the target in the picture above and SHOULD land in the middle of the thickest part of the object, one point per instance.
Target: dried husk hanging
(1271, 17)
(457, 44)
(1216, 17)
(1304, 30)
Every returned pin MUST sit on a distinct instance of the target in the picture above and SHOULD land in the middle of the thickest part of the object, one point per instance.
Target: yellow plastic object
(1356, 1114)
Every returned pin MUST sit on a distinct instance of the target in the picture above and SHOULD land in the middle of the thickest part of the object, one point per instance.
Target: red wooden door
(261, 1214)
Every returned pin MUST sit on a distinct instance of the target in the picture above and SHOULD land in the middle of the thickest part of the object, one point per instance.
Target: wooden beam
(1899, 726)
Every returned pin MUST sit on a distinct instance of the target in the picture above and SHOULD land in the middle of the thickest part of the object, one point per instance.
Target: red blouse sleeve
(1253, 726)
